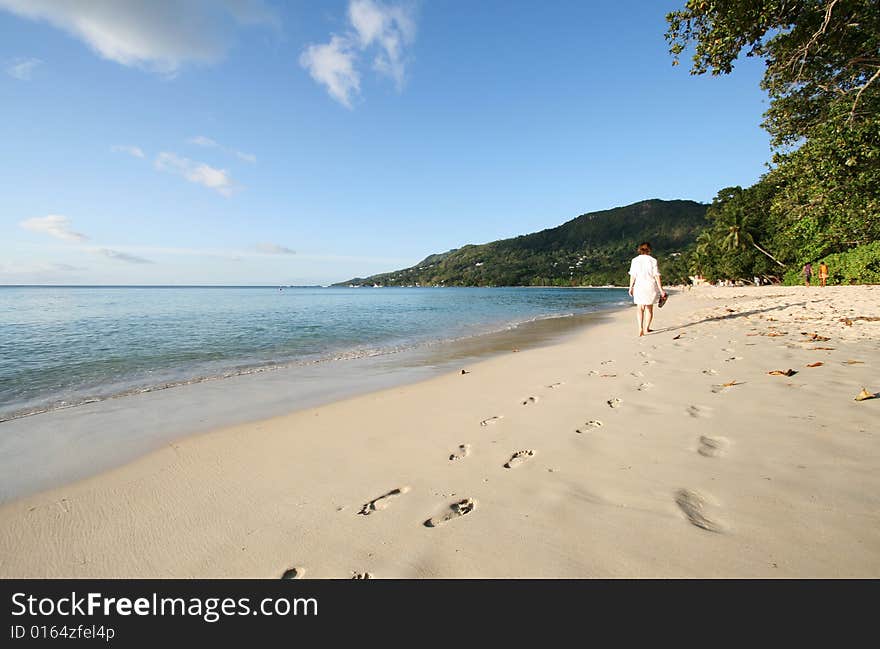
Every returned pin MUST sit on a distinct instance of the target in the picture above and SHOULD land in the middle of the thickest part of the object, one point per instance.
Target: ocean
(63, 346)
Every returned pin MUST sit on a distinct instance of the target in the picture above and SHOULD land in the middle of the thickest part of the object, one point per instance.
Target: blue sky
(269, 142)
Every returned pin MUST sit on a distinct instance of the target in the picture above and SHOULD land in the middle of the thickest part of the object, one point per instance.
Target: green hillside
(592, 249)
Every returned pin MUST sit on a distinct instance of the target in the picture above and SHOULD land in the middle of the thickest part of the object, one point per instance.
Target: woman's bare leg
(640, 316)
(650, 309)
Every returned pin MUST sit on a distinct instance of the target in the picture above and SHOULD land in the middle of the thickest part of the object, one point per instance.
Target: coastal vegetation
(591, 250)
(820, 198)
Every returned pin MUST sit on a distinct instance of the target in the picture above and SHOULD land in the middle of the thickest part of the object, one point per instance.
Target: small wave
(347, 355)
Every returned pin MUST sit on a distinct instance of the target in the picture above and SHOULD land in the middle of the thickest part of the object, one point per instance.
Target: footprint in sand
(733, 358)
(614, 402)
(518, 458)
(606, 362)
(593, 423)
(530, 401)
(710, 372)
(650, 361)
(692, 505)
(638, 374)
(592, 372)
(362, 575)
(294, 573)
(645, 386)
(456, 510)
(491, 420)
(556, 385)
(712, 446)
(463, 451)
(382, 502)
(699, 411)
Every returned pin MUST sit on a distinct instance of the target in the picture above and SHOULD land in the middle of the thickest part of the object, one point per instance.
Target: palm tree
(739, 235)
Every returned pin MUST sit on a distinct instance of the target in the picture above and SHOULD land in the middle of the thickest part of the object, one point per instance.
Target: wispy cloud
(387, 28)
(134, 151)
(161, 35)
(22, 69)
(201, 140)
(120, 256)
(332, 65)
(391, 27)
(37, 268)
(197, 172)
(54, 225)
(273, 249)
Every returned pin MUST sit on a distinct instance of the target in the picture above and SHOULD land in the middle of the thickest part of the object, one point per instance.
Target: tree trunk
(768, 254)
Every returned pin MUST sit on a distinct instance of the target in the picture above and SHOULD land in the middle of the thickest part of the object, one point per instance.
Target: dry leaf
(774, 334)
(864, 395)
(607, 376)
(821, 348)
(788, 372)
(731, 384)
(852, 362)
(816, 364)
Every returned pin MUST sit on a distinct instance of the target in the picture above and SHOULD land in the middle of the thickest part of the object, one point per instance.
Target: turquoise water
(60, 346)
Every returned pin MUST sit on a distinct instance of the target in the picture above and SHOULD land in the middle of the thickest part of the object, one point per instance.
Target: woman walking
(645, 286)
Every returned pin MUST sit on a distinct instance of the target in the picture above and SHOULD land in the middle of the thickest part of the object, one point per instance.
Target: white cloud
(197, 172)
(387, 27)
(333, 66)
(274, 249)
(160, 34)
(391, 27)
(134, 151)
(54, 225)
(201, 140)
(120, 256)
(22, 69)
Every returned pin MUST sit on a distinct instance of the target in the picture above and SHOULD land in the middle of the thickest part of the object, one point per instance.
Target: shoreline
(132, 387)
(35, 451)
(598, 455)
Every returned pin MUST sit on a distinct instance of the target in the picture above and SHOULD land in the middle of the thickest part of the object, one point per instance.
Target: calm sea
(60, 346)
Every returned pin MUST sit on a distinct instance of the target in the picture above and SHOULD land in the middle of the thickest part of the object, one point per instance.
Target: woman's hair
(645, 248)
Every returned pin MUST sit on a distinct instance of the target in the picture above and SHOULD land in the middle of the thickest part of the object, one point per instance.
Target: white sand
(772, 477)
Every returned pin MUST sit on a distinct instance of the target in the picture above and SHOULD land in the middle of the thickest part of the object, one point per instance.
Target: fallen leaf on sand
(816, 364)
(774, 334)
(815, 337)
(864, 395)
(730, 384)
(788, 372)
(852, 362)
(820, 348)
(607, 376)
(846, 321)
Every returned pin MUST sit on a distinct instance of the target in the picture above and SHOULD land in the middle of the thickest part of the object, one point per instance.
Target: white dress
(644, 269)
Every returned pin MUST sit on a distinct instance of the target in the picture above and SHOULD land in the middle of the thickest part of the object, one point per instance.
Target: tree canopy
(821, 194)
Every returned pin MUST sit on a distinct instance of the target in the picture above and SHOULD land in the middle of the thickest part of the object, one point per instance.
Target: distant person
(807, 272)
(645, 287)
(823, 273)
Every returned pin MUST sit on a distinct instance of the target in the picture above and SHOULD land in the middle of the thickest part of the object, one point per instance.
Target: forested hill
(592, 249)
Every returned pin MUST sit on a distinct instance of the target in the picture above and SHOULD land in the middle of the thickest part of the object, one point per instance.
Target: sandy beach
(603, 456)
